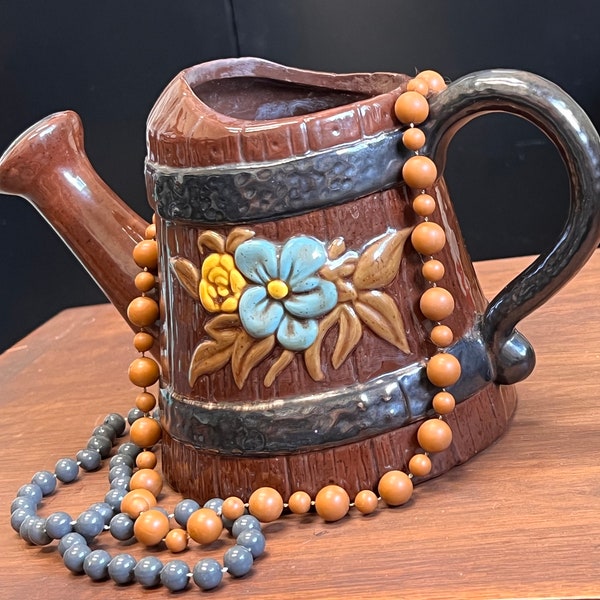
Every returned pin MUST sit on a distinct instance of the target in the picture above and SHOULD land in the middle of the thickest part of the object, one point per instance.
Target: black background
(110, 60)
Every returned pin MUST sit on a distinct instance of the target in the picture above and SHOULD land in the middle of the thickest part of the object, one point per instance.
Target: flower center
(277, 289)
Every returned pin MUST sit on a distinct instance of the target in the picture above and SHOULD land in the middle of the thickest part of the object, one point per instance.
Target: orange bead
(151, 527)
(418, 85)
(436, 303)
(435, 81)
(434, 435)
(443, 403)
(441, 336)
(145, 401)
(395, 488)
(443, 369)
(143, 372)
(411, 107)
(332, 503)
(147, 479)
(145, 432)
(433, 270)
(419, 172)
(137, 501)
(266, 504)
(420, 465)
(366, 502)
(428, 238)
(150, 231)
(413, 139)
(176, 540)
(233, 508)
(143, 341)
(143, 311)
(146, 460)
(145, 281)
(204, 526)
(145, 254)
(299, 503)
(424, 205)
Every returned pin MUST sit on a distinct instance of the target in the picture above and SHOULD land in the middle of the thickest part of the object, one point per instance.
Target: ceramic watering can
(292, 340)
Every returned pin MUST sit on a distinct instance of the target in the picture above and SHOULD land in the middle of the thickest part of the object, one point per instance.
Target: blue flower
(285, 295)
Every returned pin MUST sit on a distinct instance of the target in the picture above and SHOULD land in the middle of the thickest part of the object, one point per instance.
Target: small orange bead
(204, 526)
(146, 460)
(443, 369)
(442, 336)
(436, 303)
(137, 501)
(233, 508)
(143, 372)
(435, 81)
(433, 270)
(418, 85)
(428, 238)
(299, 503)
(420, 465)
(266, 504)
(395, 488)
(151, 527)
(145, 401)
(419, 172)
(411, 107)
(413, 139)
(443, 403)
(147, 479)
(143, 341)
(150, 232)
(332, 503)
(434, 435)
(145, 432)
(424, 205)
(145, 281)
(176, 540)
(366, 502)
(143, 311)
(145, 254)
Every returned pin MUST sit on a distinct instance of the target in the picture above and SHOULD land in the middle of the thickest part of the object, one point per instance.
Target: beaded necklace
(130, 507)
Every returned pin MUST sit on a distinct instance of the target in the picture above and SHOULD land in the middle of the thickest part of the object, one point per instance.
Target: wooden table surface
(522, 519)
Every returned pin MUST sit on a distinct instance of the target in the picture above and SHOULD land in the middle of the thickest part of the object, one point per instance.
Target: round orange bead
(411, 107)
(145, 281)
(151, 527)
(428, 238)
(443, 369)
(434, 435)
(436, 303)
(143, 372)
(146, 460)
(433, 270)
(137, 501)
(150, 231)
(204, 526)
(145, 401)
(366, 502)
(266, 504)
(176, 540)
(435, 82)
(420, 465)
(299, 503)
(233, 508)
(418, 85)
(419, 172)
(441, 336)
(413, 139)
(395, 488)
(332, 503)
(424, 205)
(143, 341)
(145, 432)
(443, 403)
(145, 254)
(147, 479)
(143, 311)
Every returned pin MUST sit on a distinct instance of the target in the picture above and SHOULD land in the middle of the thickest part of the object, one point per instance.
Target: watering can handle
(565, 123)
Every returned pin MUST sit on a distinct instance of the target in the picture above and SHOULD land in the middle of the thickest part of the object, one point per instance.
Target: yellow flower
(221, 284)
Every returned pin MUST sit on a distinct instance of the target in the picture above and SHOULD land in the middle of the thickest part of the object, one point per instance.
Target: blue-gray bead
(46, 481)
(18, 516)
(147, 571)
(74, 557)
(89, 524)
(95, 564)
(24, 529)
(175, 575)
(24, 502)
(130, 449)
(121, 527)
(106, 431)
(184, 509)
(117, 422)
(215, 504)
(121, 459)
(120, 471)
(69, 540)
(66, 470)
(120, 483)
(58, 524)
(101, 444)
(105, 510)
(238, 561)
(245, 522)
(37, 532)
(254, 540)
(31, 490)
(89, 460)
(114, 497)
(134, 414)
(120, 568)
(207, 574)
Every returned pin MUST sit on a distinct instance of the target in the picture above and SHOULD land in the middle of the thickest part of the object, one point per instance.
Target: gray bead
(134, 414)
(24, 502)
(215, 504)
(120, 568)
(101, 444)
(183, 510)
(121, 527)
(58, 524)
(120, 483)
(105, 510)
(18, 516)
(121, 459)
(147, 571)
(89, 524)
(254, 540)
(114, 497)
(74, 557)
(207, 574)
(95, 565)
(107, 431)
(25, 525)
(46, 481)
(37, 532)
(245, 522)
(89, 460)
(69, 540)
(174, 575)
(120, 471)
(32, 491)
(117, 422)
(66, 470)
(130, 449)
(238, 561)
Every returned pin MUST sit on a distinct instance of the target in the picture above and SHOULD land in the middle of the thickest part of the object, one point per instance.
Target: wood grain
(519, 520)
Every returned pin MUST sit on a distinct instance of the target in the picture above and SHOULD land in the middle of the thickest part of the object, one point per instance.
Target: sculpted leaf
(348, 337)
(236, 237)
(224, 327)
(212, 240)
(278, 366)
(247, 353)
(187, 274)
(208, 357)
(312, 355)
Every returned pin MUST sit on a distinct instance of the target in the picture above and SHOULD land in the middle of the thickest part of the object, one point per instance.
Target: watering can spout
(48, 166)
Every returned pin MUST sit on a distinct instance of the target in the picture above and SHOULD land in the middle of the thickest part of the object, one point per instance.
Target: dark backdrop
(110, 60)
